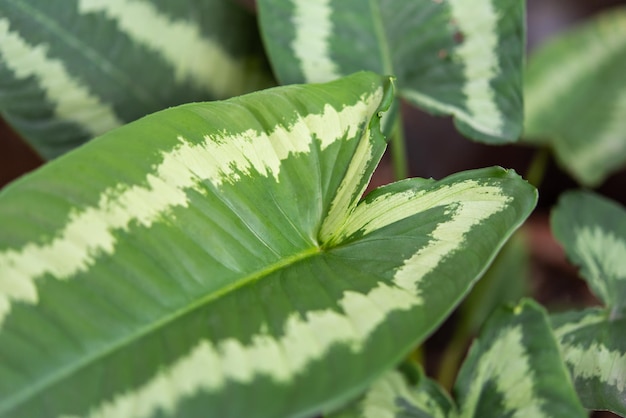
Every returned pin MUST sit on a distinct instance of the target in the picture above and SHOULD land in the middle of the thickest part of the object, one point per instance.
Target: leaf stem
(538, 166)
(399, 157)
(451, 359)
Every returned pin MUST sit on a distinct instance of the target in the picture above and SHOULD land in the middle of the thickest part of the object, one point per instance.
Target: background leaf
(575, 95)
(592, 230)
(595, 351)
(395, 395)
(220, 263)
(515, 369)
(452, 57)
(72, 71)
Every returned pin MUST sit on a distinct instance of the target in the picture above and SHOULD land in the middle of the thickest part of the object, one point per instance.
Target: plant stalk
(451, 359)
(399, 158)
(537, 169)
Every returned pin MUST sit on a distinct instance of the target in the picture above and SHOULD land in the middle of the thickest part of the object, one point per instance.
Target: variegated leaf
(214, 260)
(592, 230)
(515, 369)
(456, 57)
(575, 97)
(73, 70)
(395, 395)
(594, 349)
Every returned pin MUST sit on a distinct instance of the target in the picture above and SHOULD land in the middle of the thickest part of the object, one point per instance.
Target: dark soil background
(436, 150)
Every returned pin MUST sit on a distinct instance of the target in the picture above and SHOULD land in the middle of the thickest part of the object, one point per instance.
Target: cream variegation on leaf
(592, 230)
(514, 369)
(222, 251)
(580, 66)
(75, 71)
(450, 57)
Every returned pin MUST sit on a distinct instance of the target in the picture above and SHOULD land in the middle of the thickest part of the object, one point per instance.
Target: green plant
(220, 259)
(576, 98)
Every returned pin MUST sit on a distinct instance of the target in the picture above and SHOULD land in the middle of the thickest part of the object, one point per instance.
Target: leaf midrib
(379, 31)
(16, 400)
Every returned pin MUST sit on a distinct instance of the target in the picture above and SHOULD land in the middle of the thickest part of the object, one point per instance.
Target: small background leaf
(450, 57)
(594, 349)
(575, 97)
(407, 394)
(71, 71)
(592, 230)
(515, 369)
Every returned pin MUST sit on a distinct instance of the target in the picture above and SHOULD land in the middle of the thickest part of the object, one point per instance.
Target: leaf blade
(208, 280)
(72, 73)
(592, 230)
(579, 65)
(469, 57)
(594, 351)
(515, 367)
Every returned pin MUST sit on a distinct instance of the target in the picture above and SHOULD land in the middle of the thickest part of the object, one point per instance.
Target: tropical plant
(74, 71)
(230, 256)
(592, 230)
(575, 98)
(450, 57)
(223, 259)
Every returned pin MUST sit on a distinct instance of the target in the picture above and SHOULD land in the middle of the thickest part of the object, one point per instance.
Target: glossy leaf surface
(575, 97)
(515, 369)
(73, 70)
(215, 259)
(450, 57)
(592, 230)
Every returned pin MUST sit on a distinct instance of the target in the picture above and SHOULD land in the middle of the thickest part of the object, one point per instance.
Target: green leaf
(592, 230)
(515, 369)
(73, 70)
(575, 97)
(215, 259)
(393, 395)
(594, 349)
(454, 57)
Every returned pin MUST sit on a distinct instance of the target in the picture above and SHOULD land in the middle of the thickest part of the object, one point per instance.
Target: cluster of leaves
(220, 259)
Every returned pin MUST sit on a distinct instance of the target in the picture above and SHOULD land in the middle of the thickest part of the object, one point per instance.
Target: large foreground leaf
(456, 57)
(214, 260)
(75, 69)
(575, 93)
(592, 231)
